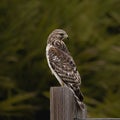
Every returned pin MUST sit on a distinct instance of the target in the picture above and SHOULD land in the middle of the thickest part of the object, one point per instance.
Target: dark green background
(25, 79)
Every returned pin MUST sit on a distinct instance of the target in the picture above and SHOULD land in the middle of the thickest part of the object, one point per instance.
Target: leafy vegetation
(94, 30)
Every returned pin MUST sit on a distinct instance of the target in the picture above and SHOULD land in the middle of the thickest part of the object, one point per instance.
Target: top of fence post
(63, 105)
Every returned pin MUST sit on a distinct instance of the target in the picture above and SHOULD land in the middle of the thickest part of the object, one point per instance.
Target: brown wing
(64, 66)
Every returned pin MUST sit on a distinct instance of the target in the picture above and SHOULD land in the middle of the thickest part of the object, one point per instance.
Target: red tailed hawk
(62, 64)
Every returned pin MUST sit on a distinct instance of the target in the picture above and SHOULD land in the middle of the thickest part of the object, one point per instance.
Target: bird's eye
(61, 34)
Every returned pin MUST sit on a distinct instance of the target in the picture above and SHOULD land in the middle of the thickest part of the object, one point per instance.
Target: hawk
(62, 64)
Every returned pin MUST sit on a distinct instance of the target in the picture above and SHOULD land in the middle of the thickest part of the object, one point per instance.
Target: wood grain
(63, 105)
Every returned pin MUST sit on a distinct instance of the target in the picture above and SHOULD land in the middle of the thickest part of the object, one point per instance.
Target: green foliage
(94, 30)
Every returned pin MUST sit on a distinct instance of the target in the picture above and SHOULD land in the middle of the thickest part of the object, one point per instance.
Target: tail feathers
(79, 94)
(76, 91)
(79, 98)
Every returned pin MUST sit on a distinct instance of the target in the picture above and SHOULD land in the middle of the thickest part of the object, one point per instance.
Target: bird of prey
(62, 64)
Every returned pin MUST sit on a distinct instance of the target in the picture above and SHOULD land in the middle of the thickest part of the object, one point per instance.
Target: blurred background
(25, 79)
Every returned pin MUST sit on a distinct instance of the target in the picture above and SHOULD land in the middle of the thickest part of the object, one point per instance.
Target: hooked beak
(66, 36)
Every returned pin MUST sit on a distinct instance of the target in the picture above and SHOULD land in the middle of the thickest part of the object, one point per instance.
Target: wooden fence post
(63, 105)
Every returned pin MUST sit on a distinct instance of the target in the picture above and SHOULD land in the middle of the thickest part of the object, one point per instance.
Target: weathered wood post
(63, 105)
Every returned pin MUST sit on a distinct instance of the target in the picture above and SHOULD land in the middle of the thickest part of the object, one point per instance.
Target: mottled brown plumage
(62, 64)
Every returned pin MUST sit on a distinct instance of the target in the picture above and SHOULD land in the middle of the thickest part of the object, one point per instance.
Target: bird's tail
(78, 97)
(80, 106)
(79, 94)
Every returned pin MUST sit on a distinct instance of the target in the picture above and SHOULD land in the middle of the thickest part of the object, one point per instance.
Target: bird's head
(57, 34)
